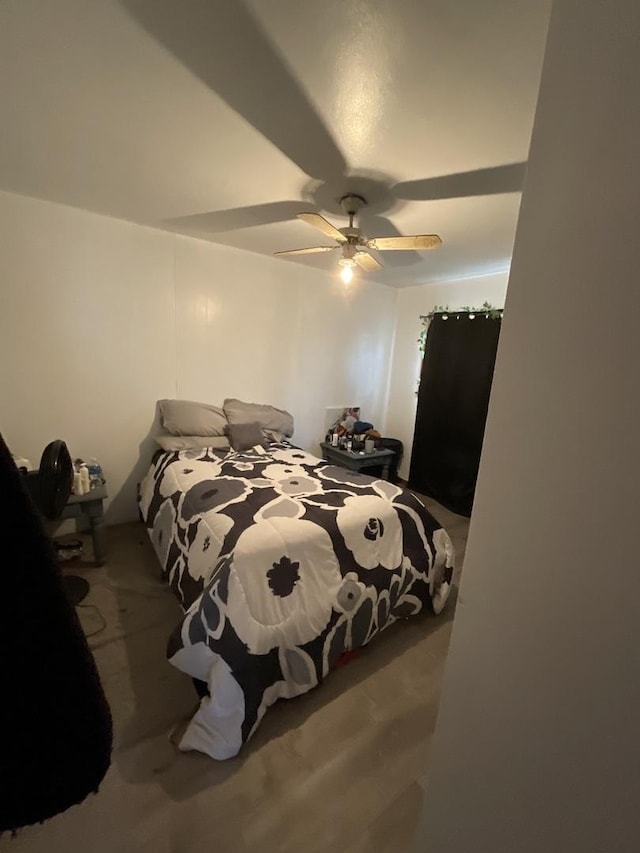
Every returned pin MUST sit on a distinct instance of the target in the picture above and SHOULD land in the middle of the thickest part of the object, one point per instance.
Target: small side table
(357, 461)
(90, 506)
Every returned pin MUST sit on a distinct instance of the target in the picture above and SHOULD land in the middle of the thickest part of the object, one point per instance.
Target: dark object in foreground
(55, 723)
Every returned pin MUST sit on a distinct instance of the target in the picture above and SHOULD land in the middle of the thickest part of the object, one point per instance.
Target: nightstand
(90, 506)
(358, 461)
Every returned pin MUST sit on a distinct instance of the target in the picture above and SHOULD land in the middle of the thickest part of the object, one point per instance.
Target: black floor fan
(50, 487)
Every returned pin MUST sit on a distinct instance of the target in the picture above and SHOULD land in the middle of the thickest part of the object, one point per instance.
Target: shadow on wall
(123, 505)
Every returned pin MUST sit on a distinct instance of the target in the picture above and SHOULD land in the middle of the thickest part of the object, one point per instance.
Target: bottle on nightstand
(84, 478)
(95, 473)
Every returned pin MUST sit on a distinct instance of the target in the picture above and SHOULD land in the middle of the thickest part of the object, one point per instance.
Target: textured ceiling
(223, 118)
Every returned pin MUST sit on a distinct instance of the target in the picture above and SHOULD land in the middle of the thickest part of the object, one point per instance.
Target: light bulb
(346, 274)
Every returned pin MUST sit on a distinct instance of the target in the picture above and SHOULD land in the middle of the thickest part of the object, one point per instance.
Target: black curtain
(453, 398)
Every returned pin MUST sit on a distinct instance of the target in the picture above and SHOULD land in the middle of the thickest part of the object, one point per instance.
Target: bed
(282, 563)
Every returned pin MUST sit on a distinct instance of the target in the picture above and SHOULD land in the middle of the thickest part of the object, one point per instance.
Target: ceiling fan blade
(373, 224)
(491, 181)
(233, 219)
(322, 224)
(309, 251)
(366, 261)
(416, 241)
(224, 45)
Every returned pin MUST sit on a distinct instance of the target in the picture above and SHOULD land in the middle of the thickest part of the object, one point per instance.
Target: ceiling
(223, 118)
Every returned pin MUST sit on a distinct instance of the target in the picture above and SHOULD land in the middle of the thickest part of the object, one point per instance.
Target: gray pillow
(192, 442)
(184, 417)
(245, 436)
(272, 435)
(268, 417)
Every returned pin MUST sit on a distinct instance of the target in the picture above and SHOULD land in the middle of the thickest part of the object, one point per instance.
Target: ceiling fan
(204, 37)
(354, 244)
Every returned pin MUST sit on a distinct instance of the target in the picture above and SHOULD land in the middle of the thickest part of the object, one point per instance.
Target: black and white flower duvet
(282, 563)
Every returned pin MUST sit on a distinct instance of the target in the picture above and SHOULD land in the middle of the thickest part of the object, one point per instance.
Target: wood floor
(340, 769)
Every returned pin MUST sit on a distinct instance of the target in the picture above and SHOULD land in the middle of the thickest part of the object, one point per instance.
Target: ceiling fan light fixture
(346, 273)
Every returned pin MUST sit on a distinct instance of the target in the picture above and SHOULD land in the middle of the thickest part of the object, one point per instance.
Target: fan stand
(75, 588)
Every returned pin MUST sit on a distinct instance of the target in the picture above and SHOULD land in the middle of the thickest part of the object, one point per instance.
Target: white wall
(537, 741)
(405, 371)
(99, 318)
(260, 329)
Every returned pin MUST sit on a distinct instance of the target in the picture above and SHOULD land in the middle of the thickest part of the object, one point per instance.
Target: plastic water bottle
(95, 473)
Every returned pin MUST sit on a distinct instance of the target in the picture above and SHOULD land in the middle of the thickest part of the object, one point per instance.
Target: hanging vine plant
(425, 319)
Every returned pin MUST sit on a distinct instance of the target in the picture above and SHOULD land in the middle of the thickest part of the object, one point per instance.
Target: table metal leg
(97, 538)
(385, 471)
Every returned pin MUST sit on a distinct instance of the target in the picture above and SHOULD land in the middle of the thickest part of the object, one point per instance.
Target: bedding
(282, 563)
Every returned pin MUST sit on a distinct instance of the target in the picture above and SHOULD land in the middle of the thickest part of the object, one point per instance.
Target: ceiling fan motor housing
(348, 252)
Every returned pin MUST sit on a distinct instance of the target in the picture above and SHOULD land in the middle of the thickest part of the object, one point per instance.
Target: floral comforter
(282, 563)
